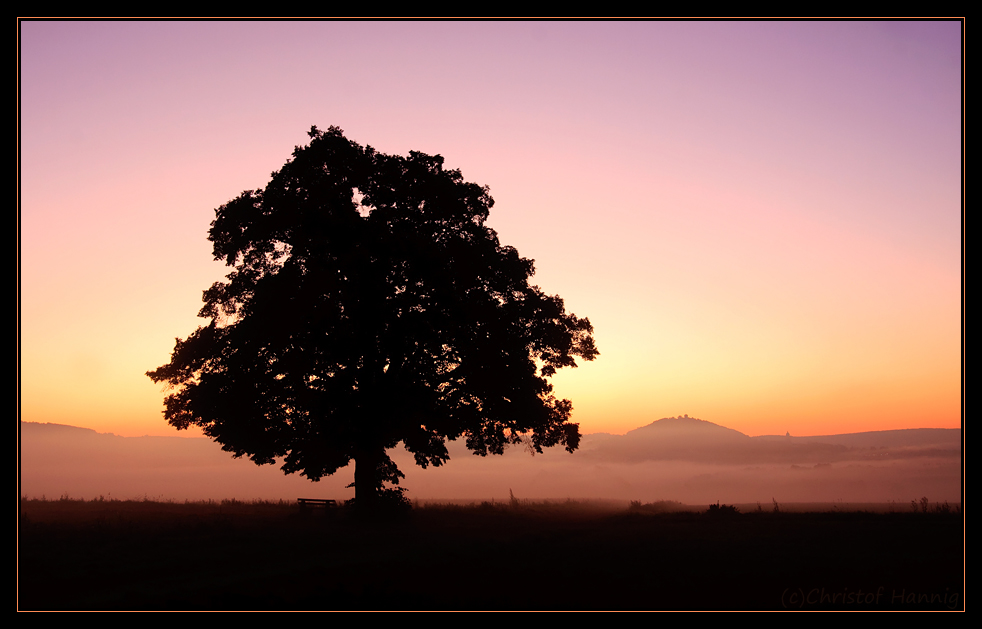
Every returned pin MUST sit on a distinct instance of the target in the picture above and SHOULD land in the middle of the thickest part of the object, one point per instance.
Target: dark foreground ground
(164, 556)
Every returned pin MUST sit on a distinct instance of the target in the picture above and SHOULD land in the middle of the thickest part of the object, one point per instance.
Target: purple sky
(761, 219)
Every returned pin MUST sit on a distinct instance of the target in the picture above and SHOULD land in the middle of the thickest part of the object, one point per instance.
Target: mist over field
(682, 459)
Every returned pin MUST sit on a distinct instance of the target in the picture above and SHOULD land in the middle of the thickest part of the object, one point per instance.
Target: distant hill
(944, 438)
(688, 427)
(691, 439)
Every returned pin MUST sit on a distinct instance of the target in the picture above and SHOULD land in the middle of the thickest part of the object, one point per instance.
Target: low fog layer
(683, 459)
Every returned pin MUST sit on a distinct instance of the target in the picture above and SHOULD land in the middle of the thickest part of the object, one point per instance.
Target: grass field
(151, 555)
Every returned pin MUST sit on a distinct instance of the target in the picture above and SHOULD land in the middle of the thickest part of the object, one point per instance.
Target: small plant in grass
(718, 509)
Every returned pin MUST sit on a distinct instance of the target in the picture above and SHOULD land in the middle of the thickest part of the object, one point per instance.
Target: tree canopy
(368, 304)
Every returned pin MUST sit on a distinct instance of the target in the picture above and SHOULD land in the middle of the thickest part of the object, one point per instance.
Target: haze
(681, 459)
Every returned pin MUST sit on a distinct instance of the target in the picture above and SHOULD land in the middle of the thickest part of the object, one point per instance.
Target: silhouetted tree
(370, 304)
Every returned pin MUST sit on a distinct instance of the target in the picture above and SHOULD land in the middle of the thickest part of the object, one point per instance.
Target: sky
(762, 220)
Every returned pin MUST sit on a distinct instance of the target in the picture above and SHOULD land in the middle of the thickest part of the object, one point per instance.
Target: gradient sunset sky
(762, 220)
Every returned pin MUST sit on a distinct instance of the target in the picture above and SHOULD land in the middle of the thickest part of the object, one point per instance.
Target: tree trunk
(367, 480)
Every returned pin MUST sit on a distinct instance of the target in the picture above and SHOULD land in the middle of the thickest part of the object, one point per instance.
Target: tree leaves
(368, 303)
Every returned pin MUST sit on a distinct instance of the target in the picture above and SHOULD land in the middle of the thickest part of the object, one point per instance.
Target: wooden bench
(315, 503)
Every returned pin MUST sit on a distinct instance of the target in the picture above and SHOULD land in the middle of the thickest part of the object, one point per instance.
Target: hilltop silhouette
(691, 439)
